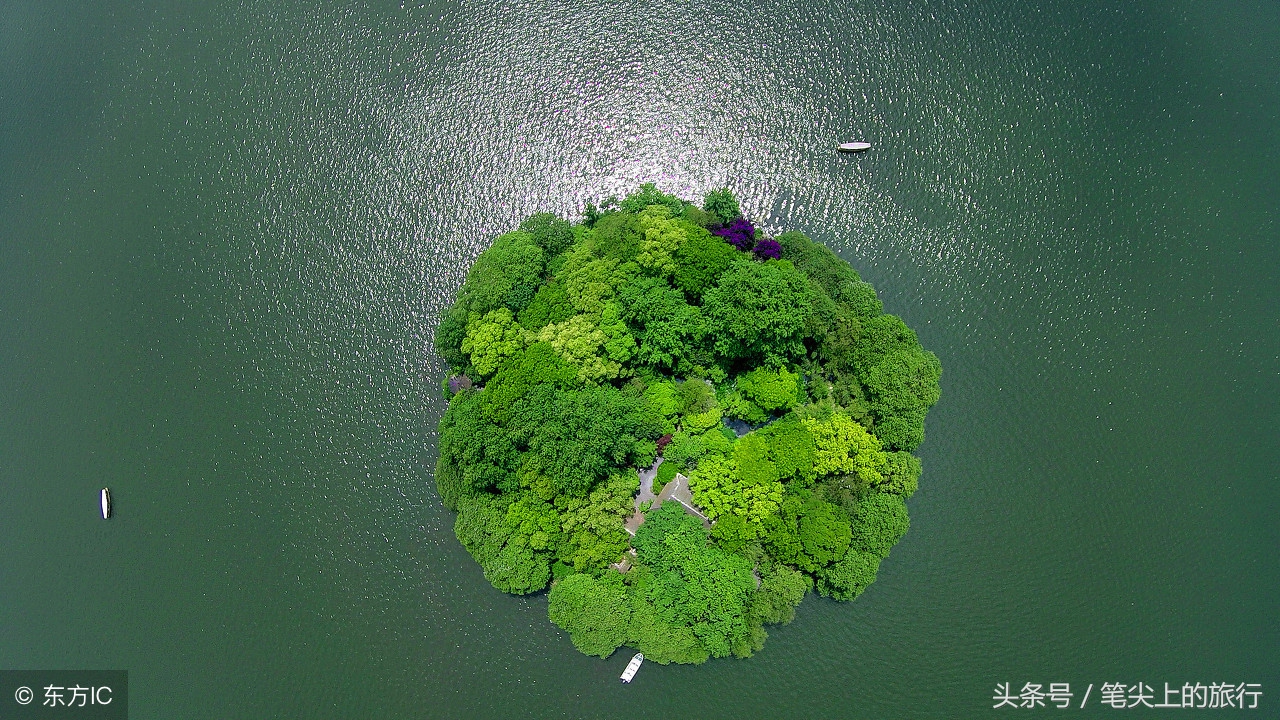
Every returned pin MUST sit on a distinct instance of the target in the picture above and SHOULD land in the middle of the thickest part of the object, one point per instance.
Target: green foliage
(660, 640)
(491, 339)
(901, 474)
(583, 345)
(791, 448)
(619, 346)
(714, 485)
(688, 447)
(824, 532)
(758, 311)
(737, 406)
(505, 275)
(879, 522)
(550, 233)
(807, 532)
(771, 390)
(700, 262)
(670, 332)
(660, 236)
(693, 583)
(699, 217)
(666, 473)
(649, 195)
(696, 396)
(839, 281)
(703, 421)
(838, 339)
(781, 590)
(721, 486)
(616, 238)
(901, 379)
(578, 437)
(538, 364)
(732, 533)
(591, 281)
(751, 453)
(847, 578)
(560, 571)
(663, 401)
(510, 544)
(722, 204)
(476, 453)
(596, 612)
(592, 526)
(844, 446)
(573, 337)
(535, 521)
(449, 334)
(508, 273)
(550, 305)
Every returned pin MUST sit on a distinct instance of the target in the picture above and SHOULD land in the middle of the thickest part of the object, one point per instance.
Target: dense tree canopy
(763, 369)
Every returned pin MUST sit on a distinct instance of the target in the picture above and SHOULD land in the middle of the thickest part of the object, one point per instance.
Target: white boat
(854, 147)
(106, 503)
(632, 667)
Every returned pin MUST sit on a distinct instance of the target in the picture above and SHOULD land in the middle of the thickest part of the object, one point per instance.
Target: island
(678, 424)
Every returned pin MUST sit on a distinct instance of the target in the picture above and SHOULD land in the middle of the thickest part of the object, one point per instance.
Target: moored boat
(632, 667)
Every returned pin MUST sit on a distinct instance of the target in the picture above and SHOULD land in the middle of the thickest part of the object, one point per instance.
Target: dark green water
(227, 233)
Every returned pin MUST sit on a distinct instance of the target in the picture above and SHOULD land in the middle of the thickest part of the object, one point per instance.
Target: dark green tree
(781, 590)
(649, 194)
(848, 577)
(902, 474)
(758, 311)
(551, 233)
(550, 305)
(670, 333)
(693, 583)
(722, 204)
(700, 262)
(840, 282)
(596, 612)
(901, 380)
(577, 437)
(879, 522)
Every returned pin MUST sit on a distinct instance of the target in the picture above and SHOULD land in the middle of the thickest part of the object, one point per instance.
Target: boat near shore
(632, 667)
(854, 147)
(106, 503)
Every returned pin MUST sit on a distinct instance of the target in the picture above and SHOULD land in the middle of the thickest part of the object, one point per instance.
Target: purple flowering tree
(768, 249)
(739, 233)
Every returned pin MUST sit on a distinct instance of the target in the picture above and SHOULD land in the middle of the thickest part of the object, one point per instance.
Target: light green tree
(583, 345)
(772, 390)
(661, 237)
(719, 488)
(491, 339)
(841, 445)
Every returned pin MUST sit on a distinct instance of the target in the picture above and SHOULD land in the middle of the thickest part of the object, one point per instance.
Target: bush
(666, 473)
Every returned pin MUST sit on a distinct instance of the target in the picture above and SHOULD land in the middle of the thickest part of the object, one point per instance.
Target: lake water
(226, 234)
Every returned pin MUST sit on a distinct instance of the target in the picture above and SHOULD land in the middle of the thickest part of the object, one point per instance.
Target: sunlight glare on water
(237, 226)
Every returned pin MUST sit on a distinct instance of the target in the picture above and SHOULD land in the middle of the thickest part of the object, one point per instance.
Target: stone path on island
(646, 494)
(677, 489)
